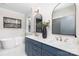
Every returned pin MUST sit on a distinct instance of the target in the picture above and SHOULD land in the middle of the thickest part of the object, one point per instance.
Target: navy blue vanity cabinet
(51, 51)
(36, 43)
(32, 47)
(28, 47)
(55, 51)
(35, 48)
(36, 51)
(46, 53)
(64, 53)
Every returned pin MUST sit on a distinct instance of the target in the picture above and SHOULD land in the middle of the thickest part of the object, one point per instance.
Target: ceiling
(25, 8)
(18, 7)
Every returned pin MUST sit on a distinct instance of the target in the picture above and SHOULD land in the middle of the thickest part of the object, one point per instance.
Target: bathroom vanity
(64, 39)
(37, 46)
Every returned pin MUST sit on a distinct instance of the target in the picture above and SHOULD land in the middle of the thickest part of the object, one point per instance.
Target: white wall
(11, 32)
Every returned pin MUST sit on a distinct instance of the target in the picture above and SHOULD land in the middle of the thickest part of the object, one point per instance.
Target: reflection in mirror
(28, 25)
(38, 18)
(64, 19)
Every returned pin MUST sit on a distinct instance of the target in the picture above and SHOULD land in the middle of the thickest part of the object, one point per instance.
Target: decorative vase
(44, 32)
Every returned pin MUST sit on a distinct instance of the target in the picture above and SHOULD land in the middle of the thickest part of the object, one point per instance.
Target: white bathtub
(11, 42)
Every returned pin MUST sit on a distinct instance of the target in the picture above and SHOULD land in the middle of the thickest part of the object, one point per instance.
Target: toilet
(11, 42)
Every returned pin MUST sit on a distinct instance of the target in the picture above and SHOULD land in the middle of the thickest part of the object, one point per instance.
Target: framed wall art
(11, 22)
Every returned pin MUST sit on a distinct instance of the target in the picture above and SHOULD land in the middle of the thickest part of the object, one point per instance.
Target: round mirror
(64, 19)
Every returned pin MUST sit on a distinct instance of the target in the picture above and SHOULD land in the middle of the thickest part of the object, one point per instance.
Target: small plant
(45, 24)
(42, 24)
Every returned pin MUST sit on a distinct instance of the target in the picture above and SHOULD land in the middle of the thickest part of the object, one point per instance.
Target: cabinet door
(46, 53)
(36, 50)
(51, 50)
(32, 48)
(28, 47)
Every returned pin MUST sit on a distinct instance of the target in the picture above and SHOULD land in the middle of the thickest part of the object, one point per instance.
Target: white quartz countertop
(69, 46)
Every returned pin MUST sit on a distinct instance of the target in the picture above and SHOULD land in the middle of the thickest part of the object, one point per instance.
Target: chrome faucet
(60, 38)
(57, 38)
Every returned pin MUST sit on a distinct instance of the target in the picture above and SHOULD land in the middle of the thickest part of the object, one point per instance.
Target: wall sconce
(37, 11)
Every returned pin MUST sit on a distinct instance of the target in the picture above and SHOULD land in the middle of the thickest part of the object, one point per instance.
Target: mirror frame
(75, 15)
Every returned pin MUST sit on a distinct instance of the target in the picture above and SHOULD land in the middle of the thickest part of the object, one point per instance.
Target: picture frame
(9, 22)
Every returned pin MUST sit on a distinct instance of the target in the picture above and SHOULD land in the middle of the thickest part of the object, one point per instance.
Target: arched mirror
(64, 19)
(38, 20)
